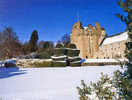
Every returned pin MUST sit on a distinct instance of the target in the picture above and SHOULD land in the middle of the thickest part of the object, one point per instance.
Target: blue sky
(53, 18)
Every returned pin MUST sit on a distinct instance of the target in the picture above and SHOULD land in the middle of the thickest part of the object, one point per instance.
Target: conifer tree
(33, 41)
(126, 5)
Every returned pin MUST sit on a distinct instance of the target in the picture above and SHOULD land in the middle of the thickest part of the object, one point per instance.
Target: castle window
(86, 56)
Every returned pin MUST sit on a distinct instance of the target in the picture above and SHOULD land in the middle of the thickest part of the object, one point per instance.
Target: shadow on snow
(10, 72)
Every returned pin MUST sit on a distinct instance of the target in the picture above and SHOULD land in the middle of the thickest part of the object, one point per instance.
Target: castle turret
(97, 26)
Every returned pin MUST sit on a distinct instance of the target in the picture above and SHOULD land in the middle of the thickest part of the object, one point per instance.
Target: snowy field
(47, 83)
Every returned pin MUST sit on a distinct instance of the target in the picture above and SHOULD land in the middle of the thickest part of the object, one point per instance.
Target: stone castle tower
(87, 39)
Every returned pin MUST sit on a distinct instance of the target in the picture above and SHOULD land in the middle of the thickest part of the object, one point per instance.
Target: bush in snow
(75, 64)
(42, 64)
(117, 87)
(59, 51)
(59, 45)
(73, 52)
(59, 63)
(73, 46)
(45, 55)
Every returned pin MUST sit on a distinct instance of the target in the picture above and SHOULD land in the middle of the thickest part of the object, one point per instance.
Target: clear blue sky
(53, 18)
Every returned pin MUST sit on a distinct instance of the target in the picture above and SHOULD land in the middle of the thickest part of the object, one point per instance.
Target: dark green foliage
(59, 64)
(43, 64)
(126, 5)
(59, 51)
(45, 55)
(73, 46)
(59, 45)
(33, 41)
(75, 64)
(72, 52)
(74, 59)
(117, 87)
(9, 64)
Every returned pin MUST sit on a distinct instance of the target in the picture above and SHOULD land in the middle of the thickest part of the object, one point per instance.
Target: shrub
(72, 53)
(59, 64)
(44, 55)
(74, 59)
(75, 64)
(59, 45)
(42, 64)
(59, 58)
(9, 64)
(59, 51)
(73, 46)
(117, 87)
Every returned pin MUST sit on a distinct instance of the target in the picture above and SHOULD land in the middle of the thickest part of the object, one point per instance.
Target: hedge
(42, 64)
(59, 45)
(74, 59)
(59, 64)
(44, 55)
(59, 51)
(73, 52)
(75, 64)
(59, 58)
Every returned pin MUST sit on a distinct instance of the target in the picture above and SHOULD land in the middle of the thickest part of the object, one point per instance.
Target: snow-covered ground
(47, 83)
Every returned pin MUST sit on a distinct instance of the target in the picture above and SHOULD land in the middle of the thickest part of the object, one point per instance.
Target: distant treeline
(11, 46)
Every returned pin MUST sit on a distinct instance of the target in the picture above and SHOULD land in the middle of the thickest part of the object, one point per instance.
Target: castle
(94, 43)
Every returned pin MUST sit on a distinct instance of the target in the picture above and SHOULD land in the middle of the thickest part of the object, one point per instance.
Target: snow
(47, 83)
(57, 57)
(74, 57)
(76, 62)
(60, 61)
(103, 60)
(123, 36)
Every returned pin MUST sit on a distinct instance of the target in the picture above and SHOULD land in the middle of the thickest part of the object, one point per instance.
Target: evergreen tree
(126, 5)
(33, 41)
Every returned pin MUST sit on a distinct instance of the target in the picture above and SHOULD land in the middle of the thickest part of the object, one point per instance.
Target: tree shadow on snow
(10, 72)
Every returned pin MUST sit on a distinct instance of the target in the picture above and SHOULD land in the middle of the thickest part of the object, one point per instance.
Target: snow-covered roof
(117, 38)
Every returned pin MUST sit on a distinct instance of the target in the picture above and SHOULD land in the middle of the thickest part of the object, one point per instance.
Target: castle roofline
(115, 38)
(115, 34)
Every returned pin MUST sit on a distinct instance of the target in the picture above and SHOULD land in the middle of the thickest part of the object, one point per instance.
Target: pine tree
(126, 5)
(33, 41)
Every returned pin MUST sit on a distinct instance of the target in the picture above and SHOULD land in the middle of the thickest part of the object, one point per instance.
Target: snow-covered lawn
(47, 83)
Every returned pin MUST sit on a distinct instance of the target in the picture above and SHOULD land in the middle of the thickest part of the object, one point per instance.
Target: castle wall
(112, 51)
(92, 42)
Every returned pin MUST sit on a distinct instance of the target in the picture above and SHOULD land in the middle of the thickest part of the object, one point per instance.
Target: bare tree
(10, 46)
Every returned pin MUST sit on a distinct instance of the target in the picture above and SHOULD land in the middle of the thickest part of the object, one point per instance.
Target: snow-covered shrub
(73, 57)
(10, 63)
(73, 46)
(76, 58)
(58, 58)
(117, 87)
(73, 52)
(59, 45)
(59, 51)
